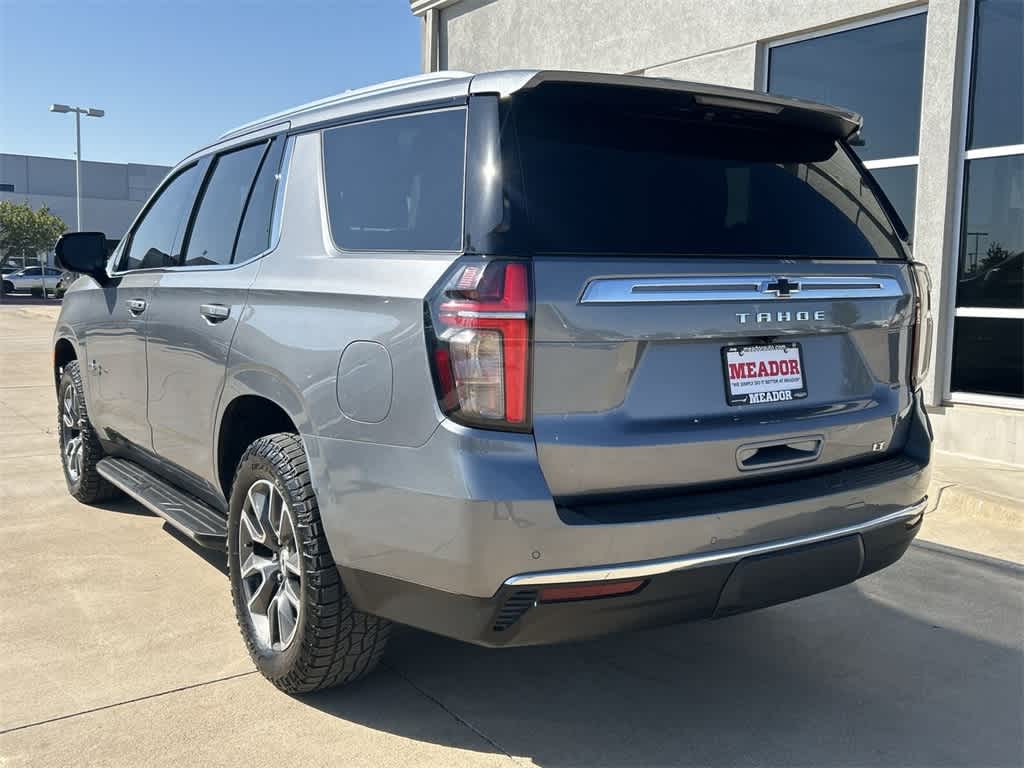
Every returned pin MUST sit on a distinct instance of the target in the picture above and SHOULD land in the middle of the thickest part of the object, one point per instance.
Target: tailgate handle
(796, 450)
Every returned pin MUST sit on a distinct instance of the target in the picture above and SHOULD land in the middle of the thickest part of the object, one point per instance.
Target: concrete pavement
(977, 505)
(120, 648)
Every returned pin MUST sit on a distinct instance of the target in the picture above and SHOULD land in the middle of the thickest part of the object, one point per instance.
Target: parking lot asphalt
(118, 647)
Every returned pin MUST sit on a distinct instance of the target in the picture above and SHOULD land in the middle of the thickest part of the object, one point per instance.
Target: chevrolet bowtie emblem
(782, 287)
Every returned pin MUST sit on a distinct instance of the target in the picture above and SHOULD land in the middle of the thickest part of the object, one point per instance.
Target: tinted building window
(988, 356)
(396, 184)
(997, 75)
(212, 238)
(900, 186)
(988, 340)
(254, 236)
(154, 239)
(875, 70)
(991, 270)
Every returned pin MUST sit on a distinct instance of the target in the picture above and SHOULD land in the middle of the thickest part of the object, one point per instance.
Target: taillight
(921, 340)
(479, 336)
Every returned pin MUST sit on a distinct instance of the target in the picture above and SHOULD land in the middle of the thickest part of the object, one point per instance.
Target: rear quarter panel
(310, 301)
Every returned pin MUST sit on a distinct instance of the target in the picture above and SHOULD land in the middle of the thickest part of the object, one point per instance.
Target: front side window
(396, 183)
(212, 238)
(155, 238)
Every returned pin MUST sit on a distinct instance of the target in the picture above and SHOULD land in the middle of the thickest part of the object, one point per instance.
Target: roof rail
(354, 93)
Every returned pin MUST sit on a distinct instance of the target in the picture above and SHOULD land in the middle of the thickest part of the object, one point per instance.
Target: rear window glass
(396, 183)
(639, 174)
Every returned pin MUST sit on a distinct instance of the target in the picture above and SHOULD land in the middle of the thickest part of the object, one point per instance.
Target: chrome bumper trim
(650, 568)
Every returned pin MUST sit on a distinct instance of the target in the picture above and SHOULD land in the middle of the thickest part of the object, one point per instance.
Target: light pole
(79, 111)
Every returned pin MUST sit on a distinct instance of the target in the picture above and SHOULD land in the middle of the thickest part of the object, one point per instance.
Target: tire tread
(92, 487)
(340, 644)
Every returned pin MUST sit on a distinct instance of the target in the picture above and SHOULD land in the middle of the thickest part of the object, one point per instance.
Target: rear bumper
(470, 509)
(710, 585)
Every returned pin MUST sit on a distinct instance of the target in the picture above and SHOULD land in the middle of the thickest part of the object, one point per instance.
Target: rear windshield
(625, 172)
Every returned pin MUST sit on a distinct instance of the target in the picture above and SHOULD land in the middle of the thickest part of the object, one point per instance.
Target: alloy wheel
(71, 433)
(269, 565)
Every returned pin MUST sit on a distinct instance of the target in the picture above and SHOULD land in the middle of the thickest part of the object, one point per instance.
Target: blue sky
(174, 75)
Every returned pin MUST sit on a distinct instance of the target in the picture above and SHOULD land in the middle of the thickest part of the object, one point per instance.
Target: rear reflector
(589, 591)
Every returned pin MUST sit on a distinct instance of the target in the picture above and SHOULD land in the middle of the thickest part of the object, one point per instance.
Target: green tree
(25, 232)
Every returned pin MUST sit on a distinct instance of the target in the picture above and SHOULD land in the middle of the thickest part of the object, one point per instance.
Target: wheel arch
(246, 418)
(64, 352)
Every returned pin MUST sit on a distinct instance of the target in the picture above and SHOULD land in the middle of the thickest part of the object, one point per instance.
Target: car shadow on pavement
(918, 665)
(123, 505)
(215, 557)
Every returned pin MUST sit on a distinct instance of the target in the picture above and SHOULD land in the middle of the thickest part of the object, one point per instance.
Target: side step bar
(203, 525)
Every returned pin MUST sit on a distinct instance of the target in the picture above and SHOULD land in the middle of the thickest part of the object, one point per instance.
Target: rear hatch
(719, 295)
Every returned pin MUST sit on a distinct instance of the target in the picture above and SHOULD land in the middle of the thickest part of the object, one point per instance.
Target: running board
(192, 517)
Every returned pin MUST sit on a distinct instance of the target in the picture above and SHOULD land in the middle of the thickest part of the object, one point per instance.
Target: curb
(964, 554)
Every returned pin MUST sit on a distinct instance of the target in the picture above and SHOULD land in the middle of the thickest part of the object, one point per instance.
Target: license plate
(763, 373)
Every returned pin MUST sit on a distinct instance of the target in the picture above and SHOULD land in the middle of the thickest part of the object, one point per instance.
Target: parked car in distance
(31, 280)
(64, 282)
(517, 358)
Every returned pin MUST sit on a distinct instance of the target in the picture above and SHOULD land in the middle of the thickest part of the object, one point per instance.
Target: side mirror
(84, 252)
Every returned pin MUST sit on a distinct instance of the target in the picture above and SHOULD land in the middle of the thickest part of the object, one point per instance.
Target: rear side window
(212, 238)
(397, 183)
(604, 172)
(154, 239)
(254, 236)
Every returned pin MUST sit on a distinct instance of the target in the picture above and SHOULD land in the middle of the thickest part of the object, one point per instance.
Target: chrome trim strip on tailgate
(619, 290)
(650, 568)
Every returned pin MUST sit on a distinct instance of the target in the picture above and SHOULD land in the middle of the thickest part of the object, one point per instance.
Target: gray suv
(517, 358)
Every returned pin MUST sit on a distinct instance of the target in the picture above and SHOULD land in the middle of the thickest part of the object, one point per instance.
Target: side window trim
(206, 166)
(280, 190)
(268, 146)
(205, 163)
(211, 168)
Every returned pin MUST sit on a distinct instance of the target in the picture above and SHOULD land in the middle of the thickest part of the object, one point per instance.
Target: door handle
(136, 306)
(214, 312)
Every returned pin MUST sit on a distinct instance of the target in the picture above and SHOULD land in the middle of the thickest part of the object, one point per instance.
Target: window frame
(212, 161)
(206, 159)
(414, 111)
(869, 21)
(963, 155)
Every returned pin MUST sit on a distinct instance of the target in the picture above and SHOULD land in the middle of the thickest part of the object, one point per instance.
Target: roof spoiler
(837, 122)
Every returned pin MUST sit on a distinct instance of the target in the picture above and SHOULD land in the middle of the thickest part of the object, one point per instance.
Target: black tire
(333, 642)
(84, 482)
(7, 287)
